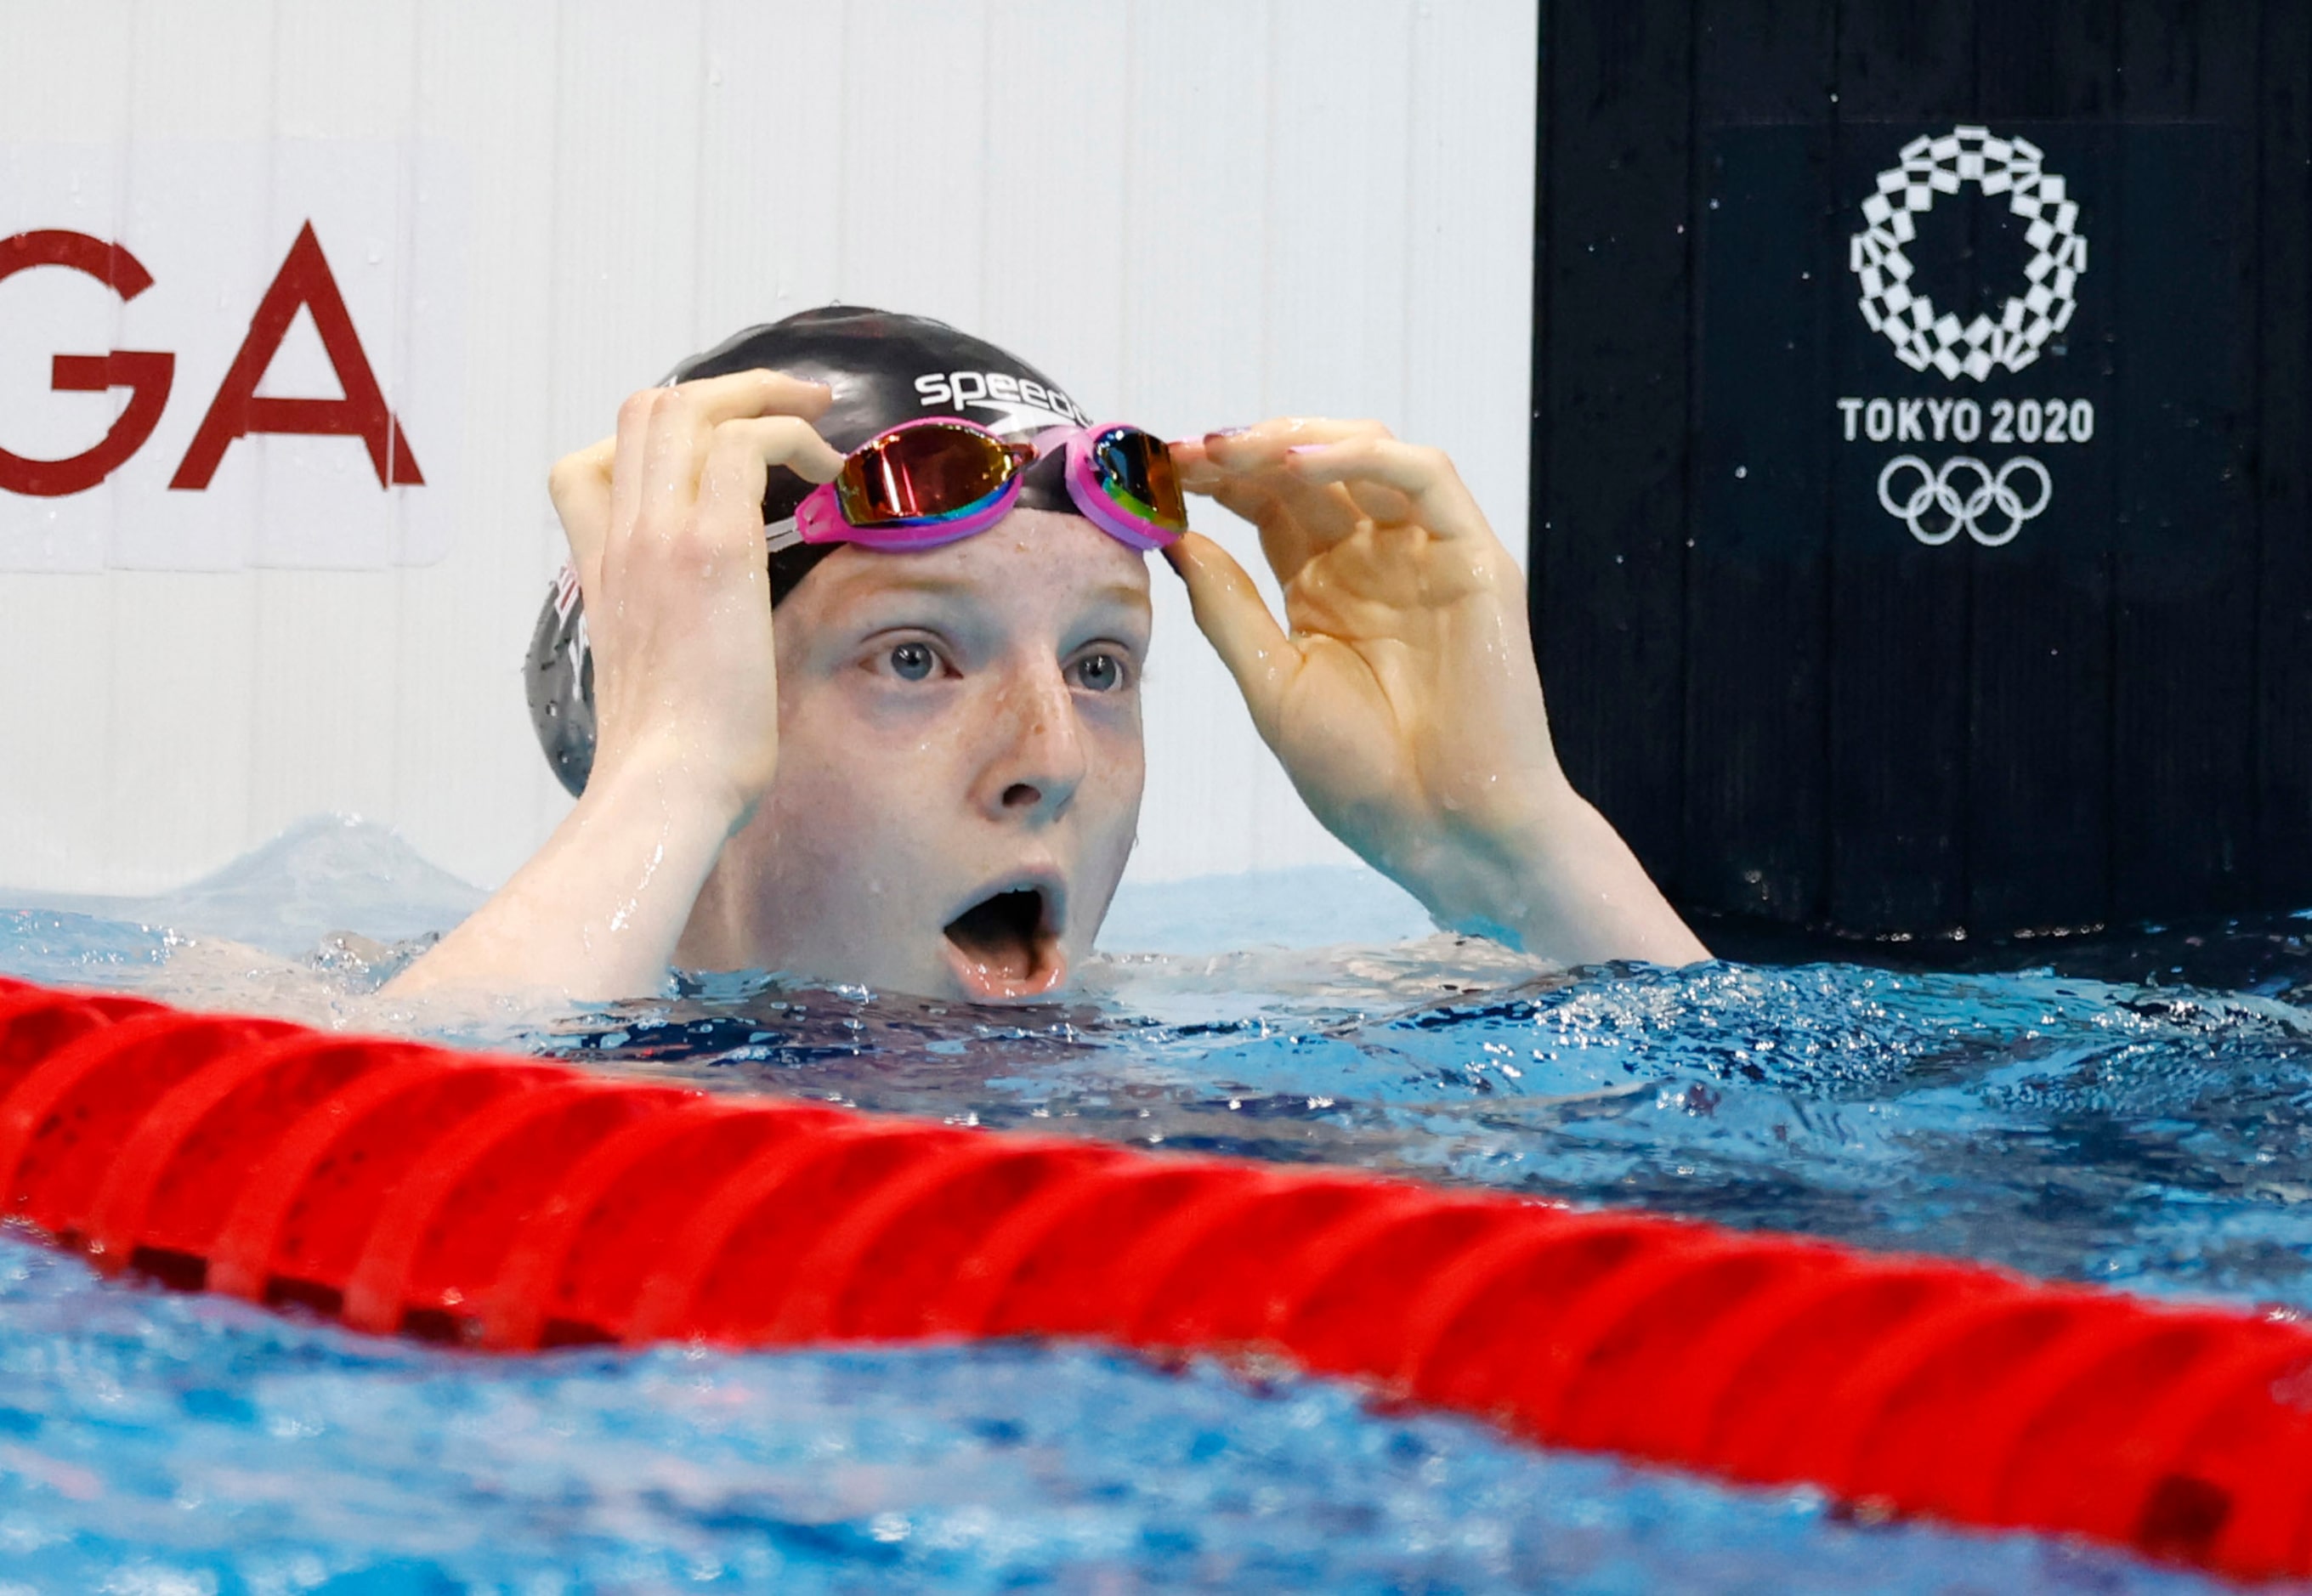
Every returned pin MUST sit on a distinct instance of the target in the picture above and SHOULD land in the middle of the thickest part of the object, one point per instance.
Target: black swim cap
(884, 368)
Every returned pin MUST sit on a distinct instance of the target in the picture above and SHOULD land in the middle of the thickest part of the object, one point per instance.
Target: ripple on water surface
(157, 1444)
(2085, 1128)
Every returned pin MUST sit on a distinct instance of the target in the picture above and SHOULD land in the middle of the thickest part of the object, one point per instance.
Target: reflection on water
(2155, 1137)
(2110, 1123)
(159, 1445)
(2133, 1113)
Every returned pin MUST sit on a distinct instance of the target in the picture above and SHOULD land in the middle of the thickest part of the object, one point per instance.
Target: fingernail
(1308, 449)
(1229, 432)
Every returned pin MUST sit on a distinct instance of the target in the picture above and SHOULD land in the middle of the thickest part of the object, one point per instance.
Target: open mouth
(1005, 945)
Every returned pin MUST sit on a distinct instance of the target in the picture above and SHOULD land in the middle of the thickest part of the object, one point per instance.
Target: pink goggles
(931, 482)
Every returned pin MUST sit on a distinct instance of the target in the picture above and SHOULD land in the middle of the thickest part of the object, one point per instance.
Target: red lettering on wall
(304, 279)
(144, 373)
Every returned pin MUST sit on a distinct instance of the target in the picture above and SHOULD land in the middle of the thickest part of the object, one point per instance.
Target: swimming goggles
(931, 482)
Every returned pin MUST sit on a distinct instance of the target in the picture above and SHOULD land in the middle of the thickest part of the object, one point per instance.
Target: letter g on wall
(147, 374)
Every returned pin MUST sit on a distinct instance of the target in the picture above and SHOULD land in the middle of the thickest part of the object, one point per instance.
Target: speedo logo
(1006, 404)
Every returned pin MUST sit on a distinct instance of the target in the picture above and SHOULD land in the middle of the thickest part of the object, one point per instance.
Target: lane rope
(511, 1204)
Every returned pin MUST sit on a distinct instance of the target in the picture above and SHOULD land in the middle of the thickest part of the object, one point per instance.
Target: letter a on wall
(304, 281)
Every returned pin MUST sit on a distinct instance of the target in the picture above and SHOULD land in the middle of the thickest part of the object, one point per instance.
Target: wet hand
(666, 533)
(1403, 700)
(1401, 693)
(665, 523)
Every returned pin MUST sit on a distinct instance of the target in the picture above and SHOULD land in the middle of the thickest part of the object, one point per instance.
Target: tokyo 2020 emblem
(1924, 336)
(1938, 501)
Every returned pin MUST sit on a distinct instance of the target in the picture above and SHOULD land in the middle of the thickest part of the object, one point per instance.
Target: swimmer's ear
(1236, 621)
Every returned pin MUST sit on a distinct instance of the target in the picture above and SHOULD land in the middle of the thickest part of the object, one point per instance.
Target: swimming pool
(2145, 1134)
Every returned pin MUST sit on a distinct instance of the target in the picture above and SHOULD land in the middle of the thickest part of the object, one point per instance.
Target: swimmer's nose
(1037, 760)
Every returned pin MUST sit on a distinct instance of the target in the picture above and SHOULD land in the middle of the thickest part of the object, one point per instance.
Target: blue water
(2132, 1112)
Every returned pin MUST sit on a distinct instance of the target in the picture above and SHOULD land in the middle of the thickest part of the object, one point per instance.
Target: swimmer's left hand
(1404, 701)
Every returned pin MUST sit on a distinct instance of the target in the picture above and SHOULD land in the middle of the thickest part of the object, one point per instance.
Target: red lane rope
(512, 1204)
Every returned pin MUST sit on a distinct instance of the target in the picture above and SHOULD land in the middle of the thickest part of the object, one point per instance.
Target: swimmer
(904, 749)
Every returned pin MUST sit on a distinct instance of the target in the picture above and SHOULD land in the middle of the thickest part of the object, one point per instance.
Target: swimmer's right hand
(665, 526)
(666, 536)
(665, 522)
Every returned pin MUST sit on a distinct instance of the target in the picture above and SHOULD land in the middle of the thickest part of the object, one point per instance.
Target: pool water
(2133, 1111)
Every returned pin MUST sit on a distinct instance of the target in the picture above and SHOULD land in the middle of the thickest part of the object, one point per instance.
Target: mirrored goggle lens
(923, 474)
(1135, 469)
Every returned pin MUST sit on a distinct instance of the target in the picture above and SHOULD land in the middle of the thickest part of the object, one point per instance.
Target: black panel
(1807, 690)
(2282, 862)
(2183, 244)
(1610, 397)
(2039, 839)
(1757, 594)
(1897, 746)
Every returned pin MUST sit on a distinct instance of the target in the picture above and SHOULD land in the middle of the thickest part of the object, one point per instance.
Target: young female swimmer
(926, 775)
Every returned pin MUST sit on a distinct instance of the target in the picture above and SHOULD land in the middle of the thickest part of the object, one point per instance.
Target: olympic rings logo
(1938, 497)
(1923, 336)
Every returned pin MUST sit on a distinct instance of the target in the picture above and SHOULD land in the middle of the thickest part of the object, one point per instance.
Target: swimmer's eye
(913, 662)
(1098, 673)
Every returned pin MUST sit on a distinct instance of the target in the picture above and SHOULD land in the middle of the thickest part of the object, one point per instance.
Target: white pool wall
(1194, 213)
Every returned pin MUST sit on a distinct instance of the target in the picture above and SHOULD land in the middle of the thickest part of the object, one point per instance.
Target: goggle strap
(783, 535)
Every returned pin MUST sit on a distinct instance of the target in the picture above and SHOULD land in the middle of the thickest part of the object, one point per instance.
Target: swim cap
(884, 368)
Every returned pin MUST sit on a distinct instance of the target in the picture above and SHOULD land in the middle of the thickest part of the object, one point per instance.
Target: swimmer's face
(959, 764)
